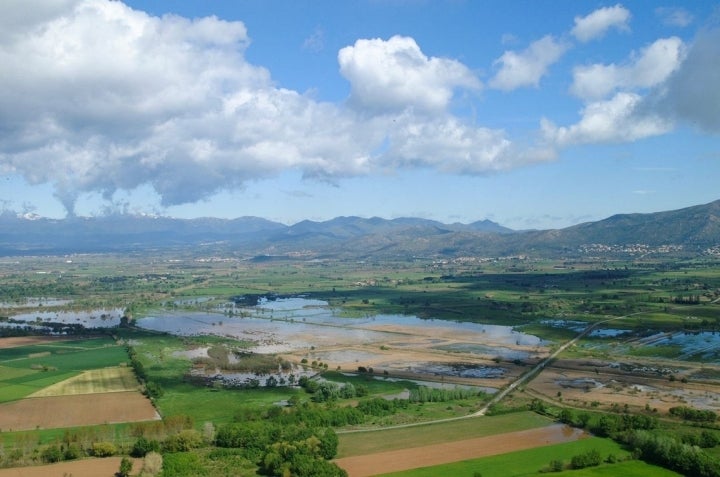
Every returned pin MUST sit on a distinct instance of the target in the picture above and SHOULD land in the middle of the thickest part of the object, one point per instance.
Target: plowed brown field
(405, 459)
(78, 468)
(78, 410)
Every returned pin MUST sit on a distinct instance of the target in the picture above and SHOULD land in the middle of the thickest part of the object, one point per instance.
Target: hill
(688, 231)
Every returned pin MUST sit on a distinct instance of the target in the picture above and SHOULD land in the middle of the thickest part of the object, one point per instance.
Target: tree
(144, 445)
(52, 454)
(125, 467)
(566, 416)
(103, 449)
(152, 465)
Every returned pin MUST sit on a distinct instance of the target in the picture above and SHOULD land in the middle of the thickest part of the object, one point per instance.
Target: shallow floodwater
(35, 303)
(100, 318)
(701, 345)
(289, 324)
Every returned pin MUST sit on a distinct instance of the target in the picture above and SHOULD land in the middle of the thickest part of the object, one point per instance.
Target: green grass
(218, 406)
(8, 374)
(78, 360)
(374, 386)
(361, 443)
(21, 375)
(663, 351)
(631, 468)
(521, 463)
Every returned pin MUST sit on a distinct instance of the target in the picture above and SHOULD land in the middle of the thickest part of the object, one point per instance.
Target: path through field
(405, 459)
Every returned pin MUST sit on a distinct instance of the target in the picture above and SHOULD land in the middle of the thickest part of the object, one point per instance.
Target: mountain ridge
(690, 229)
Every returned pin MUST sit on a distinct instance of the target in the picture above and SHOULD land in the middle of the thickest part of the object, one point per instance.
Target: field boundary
(448, 452)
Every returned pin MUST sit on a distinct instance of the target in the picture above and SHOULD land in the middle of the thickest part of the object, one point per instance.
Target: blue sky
(534, 114)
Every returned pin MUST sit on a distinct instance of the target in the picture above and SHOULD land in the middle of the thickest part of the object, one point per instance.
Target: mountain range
(689, 231)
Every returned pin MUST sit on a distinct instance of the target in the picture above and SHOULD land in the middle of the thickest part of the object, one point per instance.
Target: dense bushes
(609, 425)
(590, 458)
(690, 414)
(638, 432)
(281, 449)
(103, 449)
(143, 446)
(324, 391)
(672, 454)
(426, 394)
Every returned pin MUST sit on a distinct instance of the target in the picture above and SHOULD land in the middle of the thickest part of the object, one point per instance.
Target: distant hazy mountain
(690, 230)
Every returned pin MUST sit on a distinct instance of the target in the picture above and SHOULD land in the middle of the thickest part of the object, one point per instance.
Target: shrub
(152, 465)
(144, 445)
(103, 449)
(183, 464)
(52, 454)
(126, 466)
(184, 441)
(73, 451)
(590, 458)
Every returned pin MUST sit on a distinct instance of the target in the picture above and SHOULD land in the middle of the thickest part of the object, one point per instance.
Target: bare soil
(583, 383)
(78, 410)
(436, 454)
(77, 468)
(17, 341)
(409, 350)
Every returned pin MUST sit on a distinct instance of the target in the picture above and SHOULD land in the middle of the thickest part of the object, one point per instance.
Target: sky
(533, 114)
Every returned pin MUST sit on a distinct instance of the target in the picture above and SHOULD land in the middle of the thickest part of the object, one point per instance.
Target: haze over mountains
(689, 231)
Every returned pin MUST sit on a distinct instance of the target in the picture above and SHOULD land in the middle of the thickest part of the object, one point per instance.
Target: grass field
(104, 380)
(25, 370)
(523, 463)
(631, 468)
(361, 443)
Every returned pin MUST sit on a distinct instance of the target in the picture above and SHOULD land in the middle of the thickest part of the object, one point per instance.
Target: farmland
(209, 349)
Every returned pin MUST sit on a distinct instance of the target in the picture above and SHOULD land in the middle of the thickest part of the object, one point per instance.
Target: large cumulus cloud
(98, 97)
(395, 74)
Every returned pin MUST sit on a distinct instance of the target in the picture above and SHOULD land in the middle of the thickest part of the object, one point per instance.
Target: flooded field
(99, 318)
(694, 346)
(34, 303)
(303, 328)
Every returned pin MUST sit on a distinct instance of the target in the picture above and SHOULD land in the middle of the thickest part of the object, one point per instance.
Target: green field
(521, 463)
(361, 443)
(21, 374)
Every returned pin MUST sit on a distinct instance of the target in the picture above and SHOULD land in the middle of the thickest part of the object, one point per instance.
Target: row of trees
(670, 453)
(426, 394)
(640, 434)
(152, 389)
(690, 414)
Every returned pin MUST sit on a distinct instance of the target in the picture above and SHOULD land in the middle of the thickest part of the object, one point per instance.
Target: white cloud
(691, 93)
(653, 65)
(97, 98)
(674, 16)
(598, 22)
(614, 120)
(447, 144)
(526, 68)
(394, 75)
